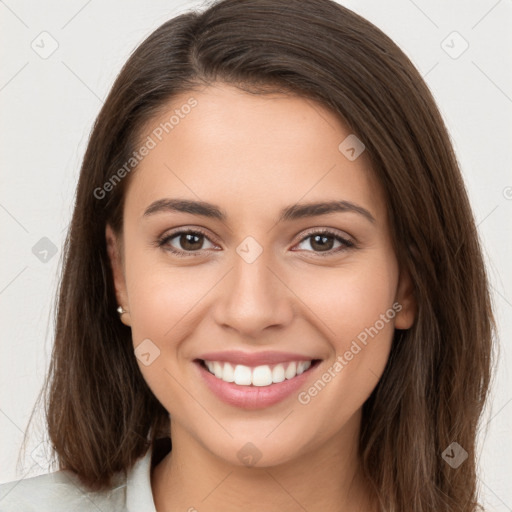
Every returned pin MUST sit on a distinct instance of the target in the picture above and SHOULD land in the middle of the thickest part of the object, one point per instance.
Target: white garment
(61, 491)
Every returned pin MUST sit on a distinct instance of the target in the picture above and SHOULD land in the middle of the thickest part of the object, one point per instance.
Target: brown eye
(325, 242)
(321, 242)
(190, 241)
(185, 243)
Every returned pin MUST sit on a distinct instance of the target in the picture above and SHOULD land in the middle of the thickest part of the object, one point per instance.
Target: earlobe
(116, 264)
(406, 298)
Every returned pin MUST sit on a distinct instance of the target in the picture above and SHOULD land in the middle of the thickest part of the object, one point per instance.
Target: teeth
(291, 371)
(301, 367)
(258, 376)
(261, 376)
(242, 375)
(278, 373)
(217, 369)
(228, 373)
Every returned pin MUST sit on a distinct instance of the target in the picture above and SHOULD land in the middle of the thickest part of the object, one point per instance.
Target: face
(297, 306)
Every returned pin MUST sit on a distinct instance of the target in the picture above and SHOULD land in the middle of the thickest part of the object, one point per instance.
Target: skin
(253, 155)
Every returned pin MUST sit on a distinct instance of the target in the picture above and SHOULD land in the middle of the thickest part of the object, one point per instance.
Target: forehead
(249, 153)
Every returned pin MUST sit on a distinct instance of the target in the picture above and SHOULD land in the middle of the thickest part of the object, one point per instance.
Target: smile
(256, 386)
(263, 375)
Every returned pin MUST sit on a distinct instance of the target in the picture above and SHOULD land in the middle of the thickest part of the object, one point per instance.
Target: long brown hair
(102, 416)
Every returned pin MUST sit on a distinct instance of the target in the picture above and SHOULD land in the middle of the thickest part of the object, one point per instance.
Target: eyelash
(346, 244)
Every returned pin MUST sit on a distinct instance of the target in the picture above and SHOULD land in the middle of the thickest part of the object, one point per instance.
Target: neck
(328, 478)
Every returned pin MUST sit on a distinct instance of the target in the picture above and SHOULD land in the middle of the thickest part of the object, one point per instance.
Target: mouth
(255, 387)
(258, 376)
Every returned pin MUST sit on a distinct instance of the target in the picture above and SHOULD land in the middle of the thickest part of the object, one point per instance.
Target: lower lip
(253, 397)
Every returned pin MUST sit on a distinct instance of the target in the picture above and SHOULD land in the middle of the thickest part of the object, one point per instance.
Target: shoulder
(60, 491)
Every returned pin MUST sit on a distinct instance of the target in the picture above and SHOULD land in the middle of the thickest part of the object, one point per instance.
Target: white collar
(139, 496)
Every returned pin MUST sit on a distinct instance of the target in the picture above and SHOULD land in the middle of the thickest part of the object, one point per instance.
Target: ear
(405, 317)
(114, 251)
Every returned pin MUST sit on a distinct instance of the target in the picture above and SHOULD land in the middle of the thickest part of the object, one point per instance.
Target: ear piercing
(126, 319)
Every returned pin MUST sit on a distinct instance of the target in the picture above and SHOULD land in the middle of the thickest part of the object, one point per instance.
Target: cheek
(162, 295)
(164, 304)
(354, 310)
(349, 299)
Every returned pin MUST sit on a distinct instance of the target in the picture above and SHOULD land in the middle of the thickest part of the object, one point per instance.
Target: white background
(48, 107)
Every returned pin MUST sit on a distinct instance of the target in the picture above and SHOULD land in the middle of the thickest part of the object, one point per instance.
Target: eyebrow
(294, 212)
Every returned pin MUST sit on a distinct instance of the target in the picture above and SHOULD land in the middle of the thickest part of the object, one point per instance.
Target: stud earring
(120, 310)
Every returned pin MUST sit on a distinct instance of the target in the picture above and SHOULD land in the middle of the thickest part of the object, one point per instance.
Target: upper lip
(255, 358)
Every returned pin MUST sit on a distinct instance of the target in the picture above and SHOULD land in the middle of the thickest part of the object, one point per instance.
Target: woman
(273, 269)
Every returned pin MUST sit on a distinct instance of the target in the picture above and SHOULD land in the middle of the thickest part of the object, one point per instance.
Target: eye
(189, 242)
(323, 241)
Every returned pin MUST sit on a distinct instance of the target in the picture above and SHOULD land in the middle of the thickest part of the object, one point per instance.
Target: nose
(253, 298)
